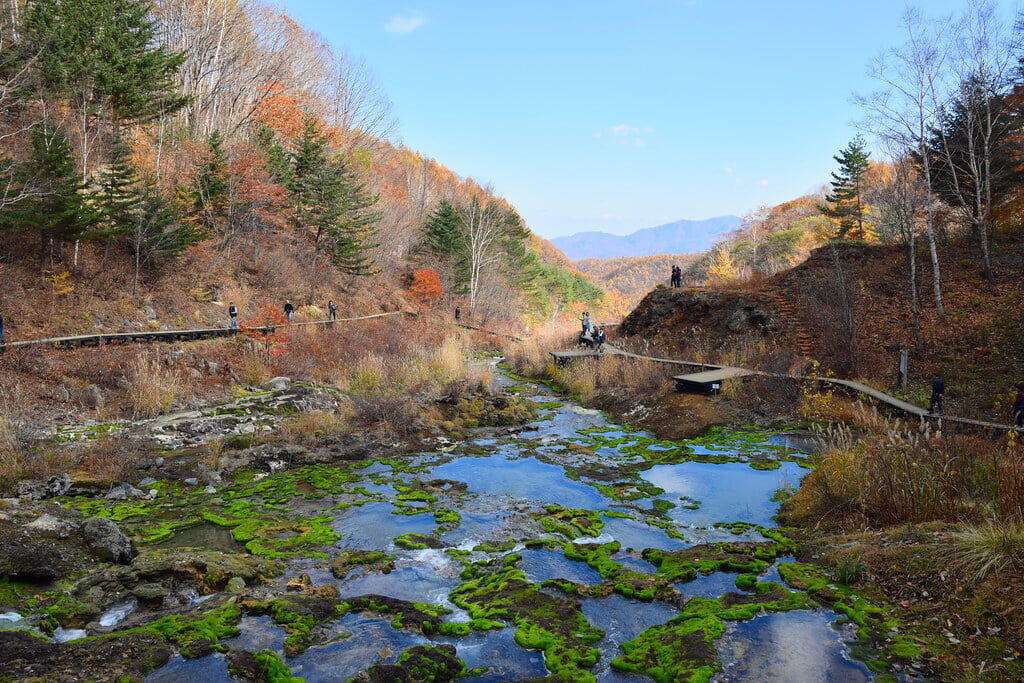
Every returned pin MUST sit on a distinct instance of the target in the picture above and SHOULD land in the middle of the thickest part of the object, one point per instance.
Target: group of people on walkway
(677, 277)
(591, 335)
(289, 313)
(935, 402)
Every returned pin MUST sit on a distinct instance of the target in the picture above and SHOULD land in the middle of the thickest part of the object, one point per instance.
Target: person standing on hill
(233, 315)
(289, 310)
(938, 392)
(332, 309)
(586, 323)
(677, 277)
(1018, 404)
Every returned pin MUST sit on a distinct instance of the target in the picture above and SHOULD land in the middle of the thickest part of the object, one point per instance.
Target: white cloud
(405, 23)
(728, 169)
(625, 135)
(763, 182)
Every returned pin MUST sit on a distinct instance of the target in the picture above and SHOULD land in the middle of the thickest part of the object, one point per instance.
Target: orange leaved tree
(426, 286)
(265, 327)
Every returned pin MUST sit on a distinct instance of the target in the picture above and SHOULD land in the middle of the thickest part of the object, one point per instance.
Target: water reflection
(800, 647)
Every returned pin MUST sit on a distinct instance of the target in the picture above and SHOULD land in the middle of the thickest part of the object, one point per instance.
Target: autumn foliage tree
(265, 328)
(426, 286)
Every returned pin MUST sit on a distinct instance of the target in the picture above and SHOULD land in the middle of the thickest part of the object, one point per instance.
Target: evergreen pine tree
(211, 198)
(117, 198)
(59, 211)
(104, 55)
(332, 203)
(846, 199)
(443, 232)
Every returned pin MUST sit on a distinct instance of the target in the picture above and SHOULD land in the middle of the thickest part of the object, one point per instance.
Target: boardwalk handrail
(169, 335)
(858, 387)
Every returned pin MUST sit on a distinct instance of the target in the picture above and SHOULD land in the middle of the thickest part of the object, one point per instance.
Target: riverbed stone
(107, 540)
(91, 396)
(278, 383)
(37, 489)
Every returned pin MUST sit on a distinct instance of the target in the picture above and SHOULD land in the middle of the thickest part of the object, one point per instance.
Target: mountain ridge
(678, 237)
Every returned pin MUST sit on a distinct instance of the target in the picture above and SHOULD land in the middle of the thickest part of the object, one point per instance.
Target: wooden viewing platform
(709, 380)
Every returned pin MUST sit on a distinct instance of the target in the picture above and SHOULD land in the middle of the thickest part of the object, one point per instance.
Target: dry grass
(108, 459)
(312, 429)
(978, 551)
(880, 472)
(153, 385)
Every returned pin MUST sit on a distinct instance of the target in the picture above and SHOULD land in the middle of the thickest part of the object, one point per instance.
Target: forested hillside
(157, 156)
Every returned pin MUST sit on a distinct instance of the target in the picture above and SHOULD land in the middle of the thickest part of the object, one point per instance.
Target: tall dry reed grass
(884, 472)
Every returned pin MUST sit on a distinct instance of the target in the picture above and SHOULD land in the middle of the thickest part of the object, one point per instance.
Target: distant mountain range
(679, 237)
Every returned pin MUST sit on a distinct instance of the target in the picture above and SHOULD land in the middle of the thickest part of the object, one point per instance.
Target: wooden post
(903, 369)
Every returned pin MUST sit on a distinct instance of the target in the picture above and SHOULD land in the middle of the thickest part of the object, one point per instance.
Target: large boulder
(107, 540)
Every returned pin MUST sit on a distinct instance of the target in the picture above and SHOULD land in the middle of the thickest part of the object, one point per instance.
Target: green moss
(213, 626)
(414, 541)
(683, 649)
(572, 523)
(498, 590)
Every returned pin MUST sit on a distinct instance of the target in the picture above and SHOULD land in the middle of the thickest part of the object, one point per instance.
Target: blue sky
(617, 116)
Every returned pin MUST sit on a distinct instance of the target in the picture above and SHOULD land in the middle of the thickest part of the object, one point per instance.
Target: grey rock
(91, 396)
(159, 461)
(38, 490)
(210, 489)
(107, 540)
(236, 584)
(278, 384)
(150, 312)
(191, 481)
(55, 526)
(213, 368)
(147, 481)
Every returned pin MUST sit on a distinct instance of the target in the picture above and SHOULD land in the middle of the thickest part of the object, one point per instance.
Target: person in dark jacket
(288, 309)
(599, 337)
(1018, 406)
(938, 392)
(233, 315)
(332, 309)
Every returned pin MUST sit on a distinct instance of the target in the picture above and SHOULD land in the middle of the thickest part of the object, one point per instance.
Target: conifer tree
(103, 55)
(117, 198)
(59, 211)
(442, 230)
(332, 203)
(211, 198)
(846, 203)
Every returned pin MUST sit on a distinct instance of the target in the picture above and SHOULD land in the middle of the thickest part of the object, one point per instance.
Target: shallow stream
(501, 489)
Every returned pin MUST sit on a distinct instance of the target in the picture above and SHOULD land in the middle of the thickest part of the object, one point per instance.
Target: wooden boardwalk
(149, 336)
(708, 375)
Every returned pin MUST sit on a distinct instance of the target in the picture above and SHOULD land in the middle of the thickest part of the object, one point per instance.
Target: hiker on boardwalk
(458, 314)
(233, 315)
(289, 310)
(332, 309)
(938, 392)
(1018, 404)
(599, 337)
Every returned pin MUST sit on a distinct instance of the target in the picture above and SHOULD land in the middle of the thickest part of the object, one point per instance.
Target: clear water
(506, 484)
(802, 647)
